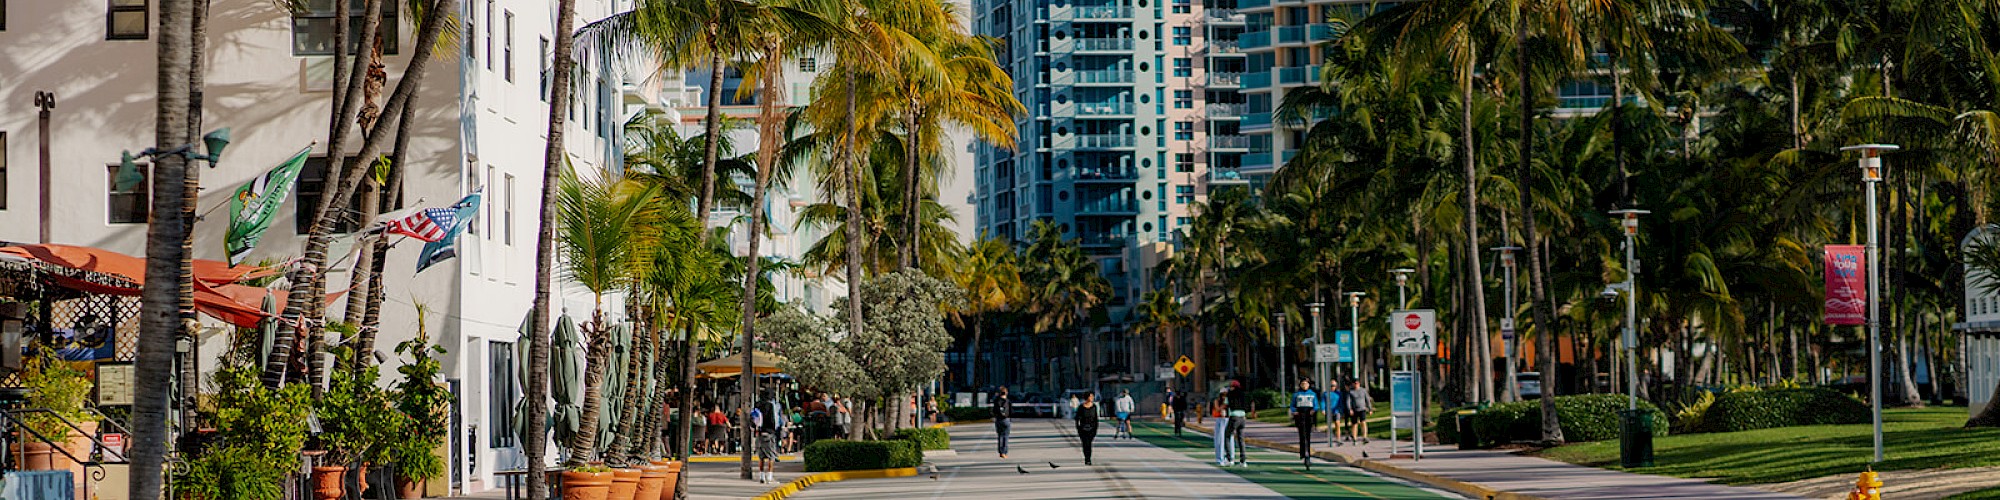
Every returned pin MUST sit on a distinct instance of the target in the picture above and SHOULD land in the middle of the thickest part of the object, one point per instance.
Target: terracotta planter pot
(654, 481)
(586, 485)
(328, 482)
(37, 455)
(408, 488)
(624, 483)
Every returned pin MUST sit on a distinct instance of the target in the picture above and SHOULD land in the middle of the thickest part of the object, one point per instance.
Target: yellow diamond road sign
(1184, 367)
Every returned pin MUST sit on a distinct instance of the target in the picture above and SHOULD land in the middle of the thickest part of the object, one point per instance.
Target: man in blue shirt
(1305, 404)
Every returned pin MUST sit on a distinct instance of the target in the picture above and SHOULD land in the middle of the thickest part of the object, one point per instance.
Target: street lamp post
(1354, 322)
(1871, 173)
(1319, 368)
(1284, 362)
(1630, 224)
(1507, 321)
(1402, 283)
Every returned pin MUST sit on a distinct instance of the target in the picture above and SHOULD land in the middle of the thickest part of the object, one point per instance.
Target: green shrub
(1587, 417)
(840, 454)
(1265, 397)
(1742, 411)
(968, 413)
(1688, 418)
(929, 439)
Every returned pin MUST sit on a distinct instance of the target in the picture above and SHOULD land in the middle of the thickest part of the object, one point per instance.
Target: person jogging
(1086, 423)
(1003, 418)
(1124, 406)
(1305, 402)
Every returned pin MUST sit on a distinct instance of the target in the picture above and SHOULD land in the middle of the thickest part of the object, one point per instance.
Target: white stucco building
(480, 123)
(1981, 327)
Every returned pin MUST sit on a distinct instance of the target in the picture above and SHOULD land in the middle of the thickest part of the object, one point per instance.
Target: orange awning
(216, 292)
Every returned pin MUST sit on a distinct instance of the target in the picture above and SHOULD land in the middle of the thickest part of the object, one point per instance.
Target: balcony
(1221, 47)
(1112, 174)
(1103, 45)
(1225, 177)
(1229, 142)
(1224, 16)
(1253, 5)
(1286, 35)
(1256, 121)
(1225, 110)
(1291, 76)
(1101, 76)
(1225, 79)
(1257, 80)
(1320, 32)
(1253, 40)
(1102, 12)
(1095, 141)
(1107, 207)
(1103, 108)
(1103, 240)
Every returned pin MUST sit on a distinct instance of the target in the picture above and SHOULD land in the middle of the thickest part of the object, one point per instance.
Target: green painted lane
(1282, 472)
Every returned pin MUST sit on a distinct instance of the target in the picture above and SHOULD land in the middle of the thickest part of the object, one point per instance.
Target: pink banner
(1846, 285)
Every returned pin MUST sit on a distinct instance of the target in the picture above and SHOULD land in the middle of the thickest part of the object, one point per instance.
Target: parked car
(1530, 384)
(1035, 405)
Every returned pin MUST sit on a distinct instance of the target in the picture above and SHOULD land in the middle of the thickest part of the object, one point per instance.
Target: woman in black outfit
(1086, 423)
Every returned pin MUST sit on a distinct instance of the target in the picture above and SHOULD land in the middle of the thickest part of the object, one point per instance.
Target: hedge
(840, 454)
(929, 439)
(1586, 417)
(968, 413)
(1265, 398)
(1742, 411)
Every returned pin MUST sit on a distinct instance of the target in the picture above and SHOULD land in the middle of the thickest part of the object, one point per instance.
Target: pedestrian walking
(1086, 423)
(718, 430)
(1359, 405)
(1336, 409)
(843, 416)
(1178, 402)
(1072, 407)
(1221, 430)
(1305, 404)
(1124, 406)
(1003, 418)
(1239, 418)
(770, 420)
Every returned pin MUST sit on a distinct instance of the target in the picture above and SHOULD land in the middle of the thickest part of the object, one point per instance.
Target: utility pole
(46, 101)
(1354, 322)
(1513, 392)
(1871, 174)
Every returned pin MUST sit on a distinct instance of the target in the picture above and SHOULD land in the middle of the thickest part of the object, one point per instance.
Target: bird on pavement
(1018, 468)
(1053, 465)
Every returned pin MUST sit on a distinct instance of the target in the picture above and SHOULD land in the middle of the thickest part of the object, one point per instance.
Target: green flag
(251, 209)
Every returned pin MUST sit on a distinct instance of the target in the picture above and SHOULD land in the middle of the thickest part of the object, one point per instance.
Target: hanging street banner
(251, 209)
(1344, 342)
(1846, 285)
(1413, 332)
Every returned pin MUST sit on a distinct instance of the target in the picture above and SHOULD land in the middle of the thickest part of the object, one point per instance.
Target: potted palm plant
(64, 391)
(356, 419)
(423, 405)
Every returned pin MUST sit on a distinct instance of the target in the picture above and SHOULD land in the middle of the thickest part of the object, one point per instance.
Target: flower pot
(327, 482)
(625, 483)
(36, 455)
(578, 485)
(409, 488)
(654, 481)
(79, 445)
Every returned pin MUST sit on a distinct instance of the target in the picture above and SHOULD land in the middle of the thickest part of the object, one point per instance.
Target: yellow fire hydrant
(1869, 487)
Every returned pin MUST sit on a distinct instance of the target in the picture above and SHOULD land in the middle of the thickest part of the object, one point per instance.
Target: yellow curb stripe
(1456, 486)
(801, 483)
(713, 460)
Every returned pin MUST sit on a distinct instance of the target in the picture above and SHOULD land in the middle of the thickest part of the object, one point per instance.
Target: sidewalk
(1497, 474)
(709, 480)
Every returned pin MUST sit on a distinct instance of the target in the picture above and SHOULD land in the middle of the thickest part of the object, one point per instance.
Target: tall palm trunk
(769, 130)
(1475, 284)
(306, 279)
(912, 187)
(712, 147)
(628, 415)
(391, 195)
(191, 189)
(583, 445)
(1545, 331)
(1199, 336)
(534, 445)
(159, 311)
(852, 175)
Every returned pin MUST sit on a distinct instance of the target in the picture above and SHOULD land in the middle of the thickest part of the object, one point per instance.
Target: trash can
(1635, 438)
(1468, 436)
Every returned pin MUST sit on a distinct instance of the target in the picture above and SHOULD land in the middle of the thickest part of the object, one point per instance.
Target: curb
(728, 459)
(802, 482)
(1384, 468)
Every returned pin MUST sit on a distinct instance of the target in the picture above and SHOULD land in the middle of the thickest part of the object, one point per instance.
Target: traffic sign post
(1412, 332)
(1326, 353)
(1184, 367)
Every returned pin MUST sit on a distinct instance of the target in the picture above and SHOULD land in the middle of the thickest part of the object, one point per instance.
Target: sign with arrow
(1413, 331)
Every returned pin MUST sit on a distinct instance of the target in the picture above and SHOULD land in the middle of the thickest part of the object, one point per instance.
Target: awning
(761, 363)
(215, 293)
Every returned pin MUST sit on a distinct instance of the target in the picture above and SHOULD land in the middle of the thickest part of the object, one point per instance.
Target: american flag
(430, 224)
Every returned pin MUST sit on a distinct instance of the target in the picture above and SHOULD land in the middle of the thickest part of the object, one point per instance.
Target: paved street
(1157, 465)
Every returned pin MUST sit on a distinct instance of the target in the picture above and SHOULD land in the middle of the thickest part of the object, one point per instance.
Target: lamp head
(215, 142)
(128, 172)
(1631, 219)
(1610, 293)
(1871, 159)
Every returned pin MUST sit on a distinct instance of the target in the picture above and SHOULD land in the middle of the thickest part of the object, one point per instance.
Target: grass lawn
(1925, 438)
(1991, 494)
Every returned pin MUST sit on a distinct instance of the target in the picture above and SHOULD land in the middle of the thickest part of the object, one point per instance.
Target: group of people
(1347, 408)
(1084, 410)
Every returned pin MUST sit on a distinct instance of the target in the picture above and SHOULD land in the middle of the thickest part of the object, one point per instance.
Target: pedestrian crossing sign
(1184, 367)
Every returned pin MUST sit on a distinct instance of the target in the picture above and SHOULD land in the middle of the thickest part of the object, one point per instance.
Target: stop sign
(1413, 322)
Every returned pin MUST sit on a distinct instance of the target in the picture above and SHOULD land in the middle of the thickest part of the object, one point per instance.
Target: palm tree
(604, 228)
(1159, 313)
(545, 238)
(992, 282)
(955, 82)
(655, 152)
(160, 297)
(1063, 284)
(881, 214)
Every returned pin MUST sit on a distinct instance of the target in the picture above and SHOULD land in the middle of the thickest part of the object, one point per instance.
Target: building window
(1183, 131)
(484, 218)
(808, 65)
(507, 213)
(1181, 6)
(1183, 99)
(1183, 194)
(471, 33)
(312, 185)
(1183, 67)
(1183, 162)
(1183, 221)
(129, 206)
(544, 57)
(312, 27)
(125, 20)
(1183, 35)
(500, 385)
(507, 46)
(3, 15)
(489, 35)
